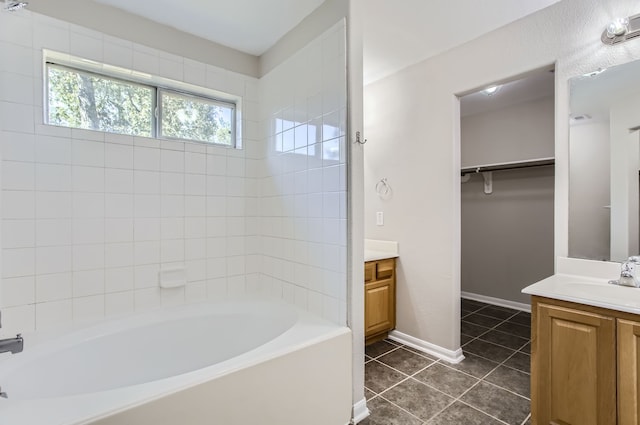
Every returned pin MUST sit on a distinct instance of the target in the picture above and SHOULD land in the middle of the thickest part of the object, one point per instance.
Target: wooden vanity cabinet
(628, 379)
(584, 365)
(379, 299)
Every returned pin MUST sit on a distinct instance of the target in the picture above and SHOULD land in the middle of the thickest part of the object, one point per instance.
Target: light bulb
(490, 91)
(617, 27)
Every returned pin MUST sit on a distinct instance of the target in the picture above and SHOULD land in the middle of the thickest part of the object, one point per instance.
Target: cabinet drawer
(385, 269)
(369, 271)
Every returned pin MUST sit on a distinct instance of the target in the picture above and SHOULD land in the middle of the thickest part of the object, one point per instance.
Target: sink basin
(601, 291)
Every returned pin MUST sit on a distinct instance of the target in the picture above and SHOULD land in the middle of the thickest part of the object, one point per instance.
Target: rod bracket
(487, 176)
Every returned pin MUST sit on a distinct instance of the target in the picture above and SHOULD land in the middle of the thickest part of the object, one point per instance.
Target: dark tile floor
(404, 386)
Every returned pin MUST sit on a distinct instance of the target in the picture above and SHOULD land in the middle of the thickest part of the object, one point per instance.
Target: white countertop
(379, 250)
(595, 292)
(372, 255)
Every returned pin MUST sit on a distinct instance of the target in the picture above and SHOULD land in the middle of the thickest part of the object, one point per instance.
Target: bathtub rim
(308, 330)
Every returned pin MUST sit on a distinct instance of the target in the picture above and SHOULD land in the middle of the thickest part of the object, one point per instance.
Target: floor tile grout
(394, 346)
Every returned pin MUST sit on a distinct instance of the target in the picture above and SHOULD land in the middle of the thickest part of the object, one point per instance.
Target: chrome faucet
(628, 273)
(11, 345)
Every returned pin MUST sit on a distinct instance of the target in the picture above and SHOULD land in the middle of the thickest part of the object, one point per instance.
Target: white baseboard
(450, 356)
(360, 411)
(497, 301)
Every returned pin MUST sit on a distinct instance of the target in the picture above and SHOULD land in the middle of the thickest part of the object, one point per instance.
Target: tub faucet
(11, 345)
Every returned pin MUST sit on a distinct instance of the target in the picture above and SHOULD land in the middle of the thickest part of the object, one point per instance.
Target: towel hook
(359, 138)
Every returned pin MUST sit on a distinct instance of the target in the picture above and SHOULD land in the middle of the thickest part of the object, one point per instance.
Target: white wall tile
(17, 117)
(16, 88)
(118, 205)
(88, 179)
(88, 231)
(119, 279)
(53, 287)
(118, 255)
(118, 230)
(172, 183)
(146, 229)
(18, 233)
(118, 156)
(53, 259)
(146, 159)
(88, 282)
(195, 163)
(18, 175)
(18, 291)
(88, 257)
(88, 205)
(53, 204)
(91, 154)
(147, 206)
(17, 146)
(172, 250)
(18, 262)
(52, 232)
(146, 182)
(171, 161)
(119, 303)
(53, 150)
(88, 308)
(51, 177)
(51, 314)
(146, 276)
(118, 181)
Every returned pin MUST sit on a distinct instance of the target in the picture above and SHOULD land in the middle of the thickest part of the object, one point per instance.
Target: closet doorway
(507, 202)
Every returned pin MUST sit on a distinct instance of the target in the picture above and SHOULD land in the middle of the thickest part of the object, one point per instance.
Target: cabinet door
(628, 365)
(378, 307)
(573, 368)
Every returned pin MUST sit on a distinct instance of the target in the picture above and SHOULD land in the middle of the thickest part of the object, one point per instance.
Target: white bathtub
(233, 362)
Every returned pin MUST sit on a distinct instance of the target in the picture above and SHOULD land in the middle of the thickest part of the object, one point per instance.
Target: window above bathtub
(85, 94)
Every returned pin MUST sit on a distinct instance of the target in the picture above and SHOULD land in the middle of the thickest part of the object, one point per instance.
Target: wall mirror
(604, 163)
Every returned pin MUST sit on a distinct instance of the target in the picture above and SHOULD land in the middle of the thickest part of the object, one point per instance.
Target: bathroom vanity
(585, 340)
(379, 289)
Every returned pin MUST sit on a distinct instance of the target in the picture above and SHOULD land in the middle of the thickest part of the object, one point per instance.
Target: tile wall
(303, 185)
(89, 218)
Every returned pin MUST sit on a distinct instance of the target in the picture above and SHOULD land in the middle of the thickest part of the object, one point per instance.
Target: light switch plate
(380, 218)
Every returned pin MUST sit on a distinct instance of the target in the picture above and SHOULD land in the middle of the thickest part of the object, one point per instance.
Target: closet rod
(543, 162)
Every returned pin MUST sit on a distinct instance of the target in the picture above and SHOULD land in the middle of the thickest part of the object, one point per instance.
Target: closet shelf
(539, 162)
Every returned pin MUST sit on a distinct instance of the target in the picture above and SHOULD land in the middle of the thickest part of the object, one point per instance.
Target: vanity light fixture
(621, 29)
(490, 91)
(14, 6)
(594, 73)
(618, 27)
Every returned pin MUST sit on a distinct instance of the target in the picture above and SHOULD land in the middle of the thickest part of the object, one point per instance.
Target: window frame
(156, 84)
(153, 89)
(180, 93)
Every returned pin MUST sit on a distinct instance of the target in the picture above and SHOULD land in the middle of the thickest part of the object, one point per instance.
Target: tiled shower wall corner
(88, 218)
(304, 223)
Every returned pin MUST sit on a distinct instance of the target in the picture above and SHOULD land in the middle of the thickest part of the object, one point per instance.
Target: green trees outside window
(81, 99)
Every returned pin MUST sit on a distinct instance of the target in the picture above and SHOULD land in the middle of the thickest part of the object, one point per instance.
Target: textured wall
(412, 123)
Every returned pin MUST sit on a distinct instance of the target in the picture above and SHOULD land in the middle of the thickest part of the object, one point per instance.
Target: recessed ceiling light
(490, 91)
(594, 73)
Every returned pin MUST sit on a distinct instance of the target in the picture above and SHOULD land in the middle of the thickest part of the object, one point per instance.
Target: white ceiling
(397, 33)
(403, 32)
(537, 85)
(251, 26)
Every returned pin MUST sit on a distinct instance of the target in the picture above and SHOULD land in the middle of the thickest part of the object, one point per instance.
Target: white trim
(497, 301)
(450, 356)
(360, 411)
